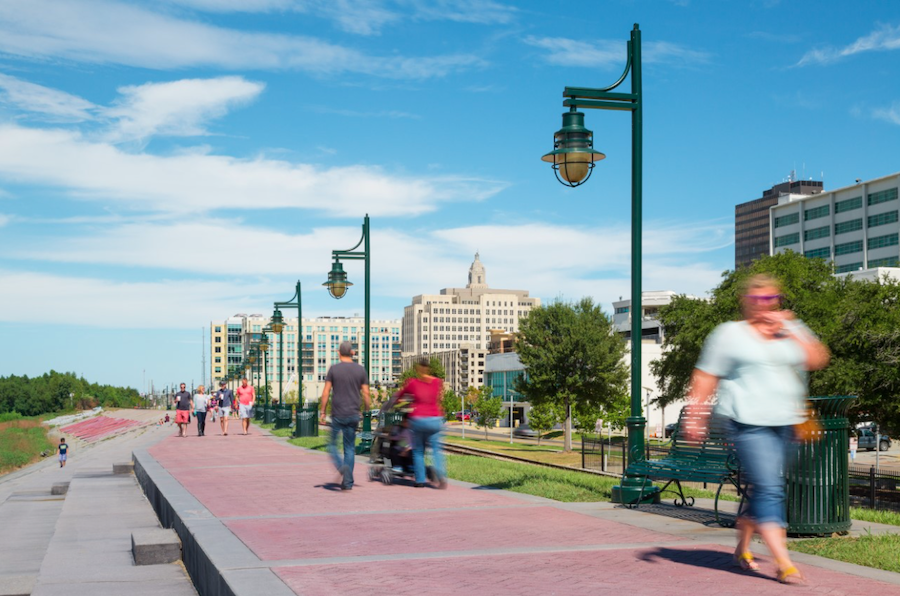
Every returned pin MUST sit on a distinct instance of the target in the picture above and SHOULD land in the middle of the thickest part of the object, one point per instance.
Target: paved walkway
(269, 516)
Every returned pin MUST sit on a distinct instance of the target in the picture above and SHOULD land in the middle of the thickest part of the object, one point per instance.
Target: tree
(450, 403)
(488, 409)
(542, 418)
(574, 359)
(858, 321)
(437, 369)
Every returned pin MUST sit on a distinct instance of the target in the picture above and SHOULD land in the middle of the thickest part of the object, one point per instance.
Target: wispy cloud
(200, 182)
(4, 219)
(178, 108)
(108, 32)
(58, 105)
(891, 114)
(365, 114)
(609, 53)
(882, 39)
(369, 17)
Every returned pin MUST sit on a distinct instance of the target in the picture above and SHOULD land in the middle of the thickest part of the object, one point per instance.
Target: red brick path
(282, 504)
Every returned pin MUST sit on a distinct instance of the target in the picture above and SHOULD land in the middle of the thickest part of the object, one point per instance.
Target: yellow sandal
(790, 575)
(745, 561)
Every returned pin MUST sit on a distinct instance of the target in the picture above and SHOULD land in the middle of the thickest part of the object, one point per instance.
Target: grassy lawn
(550, 454)
(21, 442)
(880, 552)
(873, 515)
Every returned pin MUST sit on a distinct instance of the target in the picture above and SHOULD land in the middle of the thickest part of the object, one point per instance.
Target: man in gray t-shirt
(348, 382)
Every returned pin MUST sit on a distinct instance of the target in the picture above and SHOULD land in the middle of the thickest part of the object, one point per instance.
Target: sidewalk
(258, 516)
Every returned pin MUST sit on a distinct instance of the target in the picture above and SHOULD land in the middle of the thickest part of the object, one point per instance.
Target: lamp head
(573, 154)
(337, 283)
(263, 344)
(277, 321)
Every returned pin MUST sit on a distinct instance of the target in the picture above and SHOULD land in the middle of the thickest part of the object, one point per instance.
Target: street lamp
(278, 326)
(337, 283)
(573, 158)
(298, 363)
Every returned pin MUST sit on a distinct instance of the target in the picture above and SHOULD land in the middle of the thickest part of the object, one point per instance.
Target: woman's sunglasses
(763, 297)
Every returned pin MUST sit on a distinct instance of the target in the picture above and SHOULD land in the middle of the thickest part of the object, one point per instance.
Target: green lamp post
(298, 363)
(573, 158)
(278, 326)
(337, 283)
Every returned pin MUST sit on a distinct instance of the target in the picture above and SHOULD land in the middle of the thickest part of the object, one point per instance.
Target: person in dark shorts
(348, 381)
(225, 397)
(183, 406)
(201, 406)
(63, 450)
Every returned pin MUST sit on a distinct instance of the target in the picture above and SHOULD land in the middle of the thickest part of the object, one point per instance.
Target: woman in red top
(426, 420)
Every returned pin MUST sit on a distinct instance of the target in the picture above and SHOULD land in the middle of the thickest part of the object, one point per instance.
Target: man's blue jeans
(347, 428)
(764, 452)
(427, 431)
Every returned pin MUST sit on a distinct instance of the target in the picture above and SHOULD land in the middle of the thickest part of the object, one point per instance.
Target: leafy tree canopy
(437, 369)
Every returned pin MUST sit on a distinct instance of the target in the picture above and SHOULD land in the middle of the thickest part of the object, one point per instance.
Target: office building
(232, 338)
(854, 228)
(440, 322)
(463, 366)
(751, 219)
(501, 372)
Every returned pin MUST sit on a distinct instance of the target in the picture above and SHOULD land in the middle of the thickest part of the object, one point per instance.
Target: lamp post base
(629, 492)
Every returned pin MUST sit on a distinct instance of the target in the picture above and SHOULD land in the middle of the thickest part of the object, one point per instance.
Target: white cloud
(891, 114)
(884, 38)
(4, 219)
(108, 32)
(34, 297)
(60, 106)
(609, 53)
(200, 182)
(179, 108)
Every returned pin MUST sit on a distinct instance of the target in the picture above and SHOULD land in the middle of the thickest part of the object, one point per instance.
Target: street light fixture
(278, 326)
(337, 284)
(298, 363)
(573, 159)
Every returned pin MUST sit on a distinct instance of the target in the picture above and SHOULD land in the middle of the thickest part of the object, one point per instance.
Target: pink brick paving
(276, 499)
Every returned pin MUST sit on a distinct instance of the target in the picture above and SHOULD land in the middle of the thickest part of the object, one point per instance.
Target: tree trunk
(567, 442)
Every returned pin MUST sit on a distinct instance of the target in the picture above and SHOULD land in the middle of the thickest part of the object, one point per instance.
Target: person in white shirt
(201, 403)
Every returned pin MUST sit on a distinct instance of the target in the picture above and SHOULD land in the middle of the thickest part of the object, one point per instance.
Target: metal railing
(874, 488)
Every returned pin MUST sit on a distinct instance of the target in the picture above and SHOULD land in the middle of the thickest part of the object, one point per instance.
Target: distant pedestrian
(757, 368)
(426, 421)
(201, 406)
(183, 406)
(854, 446)
(348, 381)
(246, 399)
(167, 419)
(225, 399)
(63, 450)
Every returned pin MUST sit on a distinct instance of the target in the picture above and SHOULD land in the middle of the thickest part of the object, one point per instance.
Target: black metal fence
(870, 488)
(874, 488)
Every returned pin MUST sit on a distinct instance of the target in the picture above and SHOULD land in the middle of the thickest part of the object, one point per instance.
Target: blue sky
(167, 163)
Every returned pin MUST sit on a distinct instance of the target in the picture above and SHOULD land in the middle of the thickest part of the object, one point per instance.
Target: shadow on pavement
(704, 558)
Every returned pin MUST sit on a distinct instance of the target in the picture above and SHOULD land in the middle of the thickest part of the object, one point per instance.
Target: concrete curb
(217, 561)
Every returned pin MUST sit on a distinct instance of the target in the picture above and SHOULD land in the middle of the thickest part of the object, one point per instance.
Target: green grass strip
(879, 551)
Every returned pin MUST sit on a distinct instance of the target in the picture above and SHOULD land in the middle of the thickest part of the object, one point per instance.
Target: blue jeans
(347, 428)
(764, 452)
(427, 431)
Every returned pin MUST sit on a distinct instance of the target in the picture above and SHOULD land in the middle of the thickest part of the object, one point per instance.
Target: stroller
(391, 453)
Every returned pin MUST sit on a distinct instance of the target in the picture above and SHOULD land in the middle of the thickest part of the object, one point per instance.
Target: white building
(321, 338)
(440, 322)
(855, 227)
(463, 367)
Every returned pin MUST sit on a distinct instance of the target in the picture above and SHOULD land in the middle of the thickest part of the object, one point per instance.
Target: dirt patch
(19, 424)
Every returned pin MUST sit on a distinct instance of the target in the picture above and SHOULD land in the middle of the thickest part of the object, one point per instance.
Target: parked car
(523, 431)
(670, 428)
(467, 415)
(867, 439)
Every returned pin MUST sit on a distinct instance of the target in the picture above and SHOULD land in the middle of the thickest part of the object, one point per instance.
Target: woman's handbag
(810, 429)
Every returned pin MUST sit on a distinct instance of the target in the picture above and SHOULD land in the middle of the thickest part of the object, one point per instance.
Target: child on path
(63, 450)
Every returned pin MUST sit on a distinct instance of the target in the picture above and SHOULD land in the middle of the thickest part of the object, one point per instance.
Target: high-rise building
(855, 227)
(440, 322)
(231, 339)
(751, 219)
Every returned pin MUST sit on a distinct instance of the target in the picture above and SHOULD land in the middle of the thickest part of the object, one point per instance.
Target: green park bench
(710, 460)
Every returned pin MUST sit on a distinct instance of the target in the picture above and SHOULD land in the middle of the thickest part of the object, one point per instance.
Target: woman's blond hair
(760, 280)
(201, 389)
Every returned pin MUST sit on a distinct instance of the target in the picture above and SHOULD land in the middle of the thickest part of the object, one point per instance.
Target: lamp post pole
(298, 363)
(337, 284)
(573, 158)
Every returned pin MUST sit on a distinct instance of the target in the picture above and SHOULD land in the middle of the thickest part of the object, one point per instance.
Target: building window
(813, 234)
(218, 349)
(883, 196)
(818, 253)
(886, 262)
(882, 241)
(218, 370)
(817, 212)
(218, 329)
(848, 226)
(218, 340)
(849, 267)
(847, 205)
(787, 239)
(848, 248)
(882, 219)
(218, 359)
(786, 220)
